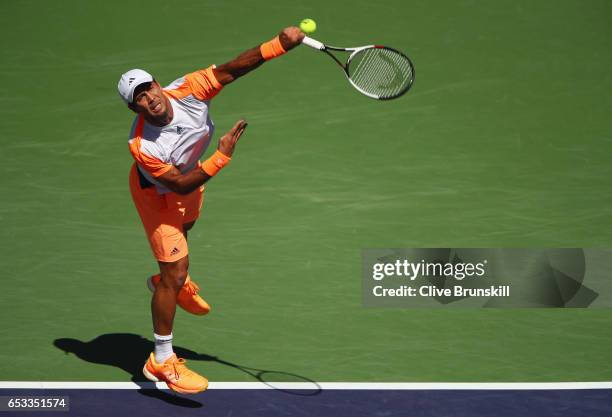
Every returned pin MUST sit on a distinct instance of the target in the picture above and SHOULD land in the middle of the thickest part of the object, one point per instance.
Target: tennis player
(170, 133)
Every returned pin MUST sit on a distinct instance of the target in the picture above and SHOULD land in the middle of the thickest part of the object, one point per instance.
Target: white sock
(163, 347)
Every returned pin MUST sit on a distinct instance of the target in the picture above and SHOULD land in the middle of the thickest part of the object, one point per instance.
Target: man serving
(170, 133)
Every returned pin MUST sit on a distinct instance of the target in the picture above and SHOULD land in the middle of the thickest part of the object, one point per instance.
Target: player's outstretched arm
(286, 40)
(186, 183)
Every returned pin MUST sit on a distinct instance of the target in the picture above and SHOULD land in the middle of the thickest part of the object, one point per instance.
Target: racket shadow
(277, 380)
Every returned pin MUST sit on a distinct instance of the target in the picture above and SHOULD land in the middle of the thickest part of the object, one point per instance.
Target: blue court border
(328, 402)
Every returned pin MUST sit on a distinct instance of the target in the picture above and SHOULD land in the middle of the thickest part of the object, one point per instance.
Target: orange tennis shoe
(188, 298)
(175, 374)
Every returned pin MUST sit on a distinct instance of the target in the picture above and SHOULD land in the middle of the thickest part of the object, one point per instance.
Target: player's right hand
(229, 140)
(291, 37)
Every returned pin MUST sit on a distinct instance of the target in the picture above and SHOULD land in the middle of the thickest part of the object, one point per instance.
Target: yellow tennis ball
(308, 26)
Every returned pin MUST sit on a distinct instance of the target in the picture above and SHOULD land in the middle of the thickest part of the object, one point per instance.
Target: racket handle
(313, 43)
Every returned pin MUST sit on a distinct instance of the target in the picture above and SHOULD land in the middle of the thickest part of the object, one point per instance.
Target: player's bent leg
(188, 298)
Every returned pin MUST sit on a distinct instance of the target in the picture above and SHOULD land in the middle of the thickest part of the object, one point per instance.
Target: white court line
(320, 385)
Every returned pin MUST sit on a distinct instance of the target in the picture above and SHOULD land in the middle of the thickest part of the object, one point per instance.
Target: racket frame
(320, 46)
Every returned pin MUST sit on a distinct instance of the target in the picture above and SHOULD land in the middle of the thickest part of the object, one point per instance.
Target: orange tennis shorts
(163, 217)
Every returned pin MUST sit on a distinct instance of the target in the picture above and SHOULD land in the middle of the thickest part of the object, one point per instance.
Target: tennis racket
(376, 71)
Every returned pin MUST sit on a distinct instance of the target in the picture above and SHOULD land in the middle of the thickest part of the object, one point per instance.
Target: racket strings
(381, 72)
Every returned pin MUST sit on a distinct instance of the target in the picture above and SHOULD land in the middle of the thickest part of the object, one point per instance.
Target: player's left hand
(227, 143)
(291, 37)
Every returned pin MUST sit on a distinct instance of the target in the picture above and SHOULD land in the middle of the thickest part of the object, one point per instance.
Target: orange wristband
(272, 49)
(214, 164)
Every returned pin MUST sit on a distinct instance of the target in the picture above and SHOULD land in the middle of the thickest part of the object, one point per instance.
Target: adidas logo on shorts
(174, 251)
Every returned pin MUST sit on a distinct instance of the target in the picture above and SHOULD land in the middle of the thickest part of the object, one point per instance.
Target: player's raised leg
(188, 298)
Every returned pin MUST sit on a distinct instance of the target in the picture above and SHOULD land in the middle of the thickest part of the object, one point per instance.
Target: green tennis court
(503, 141)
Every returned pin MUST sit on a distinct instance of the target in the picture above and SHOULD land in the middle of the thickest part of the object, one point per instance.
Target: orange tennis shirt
(182, 142)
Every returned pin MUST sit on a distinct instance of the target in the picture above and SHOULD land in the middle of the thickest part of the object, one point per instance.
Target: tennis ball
(308, 26)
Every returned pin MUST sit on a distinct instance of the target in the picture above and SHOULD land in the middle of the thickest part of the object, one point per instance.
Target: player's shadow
(129, 352)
